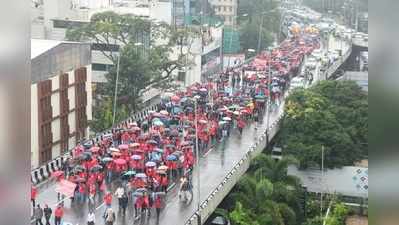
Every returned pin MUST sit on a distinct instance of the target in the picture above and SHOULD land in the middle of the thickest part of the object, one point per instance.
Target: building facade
(226, 9)
(60, 97)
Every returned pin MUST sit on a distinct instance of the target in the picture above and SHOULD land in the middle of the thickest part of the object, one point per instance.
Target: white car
(317, 53)
(297, 82)
(311, 62)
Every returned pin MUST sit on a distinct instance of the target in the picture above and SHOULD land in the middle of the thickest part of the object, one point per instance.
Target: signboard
(233, 60)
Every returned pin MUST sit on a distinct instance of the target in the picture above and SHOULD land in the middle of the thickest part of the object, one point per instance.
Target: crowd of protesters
(141, 159)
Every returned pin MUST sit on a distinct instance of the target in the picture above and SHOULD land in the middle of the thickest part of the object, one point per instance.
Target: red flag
(66, 188)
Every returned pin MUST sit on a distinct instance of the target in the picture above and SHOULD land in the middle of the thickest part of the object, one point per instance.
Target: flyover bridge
(220, 168)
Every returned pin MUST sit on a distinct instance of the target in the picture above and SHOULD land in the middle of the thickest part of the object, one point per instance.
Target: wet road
(214, 165)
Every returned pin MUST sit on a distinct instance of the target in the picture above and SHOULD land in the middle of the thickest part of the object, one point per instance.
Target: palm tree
(257, 196)
(264, 166)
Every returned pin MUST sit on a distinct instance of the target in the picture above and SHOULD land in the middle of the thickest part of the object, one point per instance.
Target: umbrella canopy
(175, 98)
(222, 122)
(141, 190)
(124, 147)
(157, 123)
(150, 164)
(141, 175)
(184, 143)
(159, 150)
(129, 173)
(120, 161)
(164, 112)
(170, 146)
(96, 168)
(107, 159)
(226, 118)
(94, 149)
(136, 157)
(203, 121)
(135, 145)
(161, 171)
(171, 158)
(153, 142)
(163, 167)
(57, 173)
(79, 167)
(114, 150)
(135, 128)
(161, 193)
(203, 90)
(116, 154)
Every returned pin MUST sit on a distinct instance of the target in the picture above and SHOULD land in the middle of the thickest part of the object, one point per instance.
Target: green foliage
(249, 25)
(242, 216)
(338, 215)
(318, 220)
(267, 193)
(332, 114)
(102, 118)
(140, 66)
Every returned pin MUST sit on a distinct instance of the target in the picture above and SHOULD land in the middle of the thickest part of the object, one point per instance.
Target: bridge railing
(218, 194)
(42, 173)
(208, 206)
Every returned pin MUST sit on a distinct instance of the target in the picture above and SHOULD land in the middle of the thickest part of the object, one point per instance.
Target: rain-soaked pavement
(214, 165)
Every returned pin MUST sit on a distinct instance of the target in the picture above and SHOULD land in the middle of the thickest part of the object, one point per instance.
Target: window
(99, 67)
(104, 47)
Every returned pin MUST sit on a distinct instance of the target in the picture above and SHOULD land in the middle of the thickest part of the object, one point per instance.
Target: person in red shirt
(164, 183)
(158, 205)
(108, 200)
(33, 194)
(58, 214)
(241, 125)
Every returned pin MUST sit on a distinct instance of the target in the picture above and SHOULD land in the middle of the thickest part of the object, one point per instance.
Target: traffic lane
(213, 169)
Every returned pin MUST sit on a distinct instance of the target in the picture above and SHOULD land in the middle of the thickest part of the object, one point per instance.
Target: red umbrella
(175, 98)
(94, 149)
(120, 161)
(57, 173)
(123, 146)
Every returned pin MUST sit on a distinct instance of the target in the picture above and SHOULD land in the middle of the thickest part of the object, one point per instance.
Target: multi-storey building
(226, 9)
(60, 97)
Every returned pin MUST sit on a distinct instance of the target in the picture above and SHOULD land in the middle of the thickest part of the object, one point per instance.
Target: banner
(66, 188)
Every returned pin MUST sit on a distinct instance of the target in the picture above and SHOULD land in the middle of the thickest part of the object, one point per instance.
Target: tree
(249, 25)
(257, 196)
(102, 118)
(332, 114)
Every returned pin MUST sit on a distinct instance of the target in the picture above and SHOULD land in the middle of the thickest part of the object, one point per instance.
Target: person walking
(158, 204)
(91, 218)
(47, 214)
(123, 203)
(120, 191)
(33, 194)
(38, 215)
(109, 217)
(58, 214)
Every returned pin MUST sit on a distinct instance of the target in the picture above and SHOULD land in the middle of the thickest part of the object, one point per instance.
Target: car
(220, 220)
(311, 62)
(317, 53)
(297, 82)
(277, 153)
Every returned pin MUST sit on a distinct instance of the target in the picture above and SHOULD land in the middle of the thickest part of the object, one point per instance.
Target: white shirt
(91, 217)
(119, 192)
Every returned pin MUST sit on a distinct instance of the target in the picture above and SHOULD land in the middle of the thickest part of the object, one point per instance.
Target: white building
(60, 97)
(226, 9)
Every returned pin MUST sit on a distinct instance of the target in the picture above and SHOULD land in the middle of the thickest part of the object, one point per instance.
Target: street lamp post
(269, 98)
(231, 35)
(198, 159)
(116, 84)
(116, 89)
(261, 26)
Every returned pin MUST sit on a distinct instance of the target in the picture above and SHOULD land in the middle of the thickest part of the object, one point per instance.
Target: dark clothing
(47, 214)
(123, 204)
(57, 221)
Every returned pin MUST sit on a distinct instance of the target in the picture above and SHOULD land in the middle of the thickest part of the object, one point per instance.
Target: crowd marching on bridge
(144, 157)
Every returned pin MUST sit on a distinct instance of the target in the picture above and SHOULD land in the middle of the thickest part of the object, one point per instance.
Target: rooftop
(40, 46)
